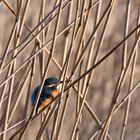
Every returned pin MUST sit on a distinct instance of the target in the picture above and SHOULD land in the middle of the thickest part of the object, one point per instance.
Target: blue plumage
(46, 93)
(50, 86)
(51, 81)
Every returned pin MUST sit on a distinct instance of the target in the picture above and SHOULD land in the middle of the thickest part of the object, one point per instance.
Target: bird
(50, 90)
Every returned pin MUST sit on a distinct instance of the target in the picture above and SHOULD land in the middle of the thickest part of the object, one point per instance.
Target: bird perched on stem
(51, 89)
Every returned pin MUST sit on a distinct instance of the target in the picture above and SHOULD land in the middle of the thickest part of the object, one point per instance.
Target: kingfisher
(50, 90)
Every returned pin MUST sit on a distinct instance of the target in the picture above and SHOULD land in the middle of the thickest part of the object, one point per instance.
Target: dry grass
(95, 44)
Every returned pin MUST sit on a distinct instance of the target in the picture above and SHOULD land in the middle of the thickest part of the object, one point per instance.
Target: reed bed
(92, 43)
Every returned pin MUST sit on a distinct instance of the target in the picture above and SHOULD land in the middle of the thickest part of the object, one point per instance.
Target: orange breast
(44, 103)
(48, 100)
(55, 93)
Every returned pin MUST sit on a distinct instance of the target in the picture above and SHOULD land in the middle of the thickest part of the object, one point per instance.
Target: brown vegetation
(95, 44)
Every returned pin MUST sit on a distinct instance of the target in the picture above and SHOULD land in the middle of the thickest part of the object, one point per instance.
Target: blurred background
(81, 33)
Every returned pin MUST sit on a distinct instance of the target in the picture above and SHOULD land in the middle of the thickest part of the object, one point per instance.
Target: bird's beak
(66, 81)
